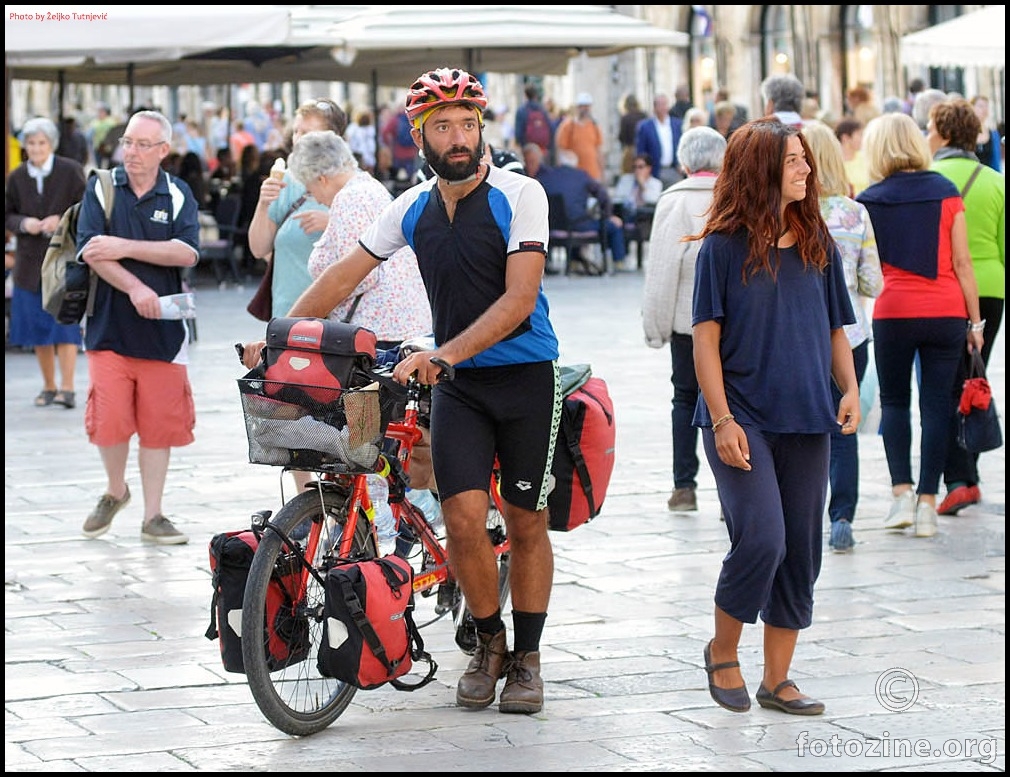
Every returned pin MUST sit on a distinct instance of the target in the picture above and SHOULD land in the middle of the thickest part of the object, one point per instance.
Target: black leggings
(939, 344)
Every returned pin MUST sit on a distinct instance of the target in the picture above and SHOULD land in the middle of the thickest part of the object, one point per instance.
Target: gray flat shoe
(771, 700)
(45, 398)
(732, 699)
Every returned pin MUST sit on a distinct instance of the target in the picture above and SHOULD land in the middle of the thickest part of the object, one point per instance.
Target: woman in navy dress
(38, 192)
(770, 302)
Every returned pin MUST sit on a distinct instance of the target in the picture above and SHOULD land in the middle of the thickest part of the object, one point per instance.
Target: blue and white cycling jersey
(463, 261)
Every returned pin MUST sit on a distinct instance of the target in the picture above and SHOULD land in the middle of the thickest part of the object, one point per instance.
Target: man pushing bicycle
(480, 237)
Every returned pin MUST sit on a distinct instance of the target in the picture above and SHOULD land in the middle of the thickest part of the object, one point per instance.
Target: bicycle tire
(465, 628)
(297, 699)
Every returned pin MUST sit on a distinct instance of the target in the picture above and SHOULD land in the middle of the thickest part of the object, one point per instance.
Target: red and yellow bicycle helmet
(444, 86)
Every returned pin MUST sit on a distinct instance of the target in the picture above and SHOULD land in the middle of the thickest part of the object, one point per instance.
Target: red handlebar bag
(316, 358)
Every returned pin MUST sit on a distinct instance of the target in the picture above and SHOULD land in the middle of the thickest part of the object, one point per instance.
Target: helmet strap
(468, 179)
(476, 175)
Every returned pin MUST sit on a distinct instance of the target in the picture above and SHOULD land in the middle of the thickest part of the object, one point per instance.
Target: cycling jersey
(463, 261)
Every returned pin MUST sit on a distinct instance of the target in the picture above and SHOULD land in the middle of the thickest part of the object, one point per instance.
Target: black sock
(491, 624)
(528, 627)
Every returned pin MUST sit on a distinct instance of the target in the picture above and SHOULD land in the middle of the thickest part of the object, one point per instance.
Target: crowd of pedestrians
(790, 244)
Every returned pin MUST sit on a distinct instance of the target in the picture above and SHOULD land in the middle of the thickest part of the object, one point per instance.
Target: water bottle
(426, 502)
(385, 523)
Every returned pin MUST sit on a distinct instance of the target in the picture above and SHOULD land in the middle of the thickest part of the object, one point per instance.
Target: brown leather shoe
(524, 689)
(682, 500)
(476, 688)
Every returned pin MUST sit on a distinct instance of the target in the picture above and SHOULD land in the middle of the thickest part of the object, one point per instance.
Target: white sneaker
(902, 511)
(925, 520)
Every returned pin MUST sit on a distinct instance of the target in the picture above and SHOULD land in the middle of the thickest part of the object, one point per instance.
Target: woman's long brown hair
(748, 196)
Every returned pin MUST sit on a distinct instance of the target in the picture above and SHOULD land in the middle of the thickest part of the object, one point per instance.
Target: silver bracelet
(980, 326)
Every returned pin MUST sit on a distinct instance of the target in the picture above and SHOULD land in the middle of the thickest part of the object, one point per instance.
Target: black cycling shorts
(511, 411)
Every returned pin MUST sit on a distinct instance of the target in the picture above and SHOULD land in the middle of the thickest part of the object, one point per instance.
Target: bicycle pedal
(448, 597)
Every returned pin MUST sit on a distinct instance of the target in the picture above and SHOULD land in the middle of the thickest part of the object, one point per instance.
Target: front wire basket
(314, 427)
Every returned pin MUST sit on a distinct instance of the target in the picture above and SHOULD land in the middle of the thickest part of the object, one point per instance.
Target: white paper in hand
(176, 306)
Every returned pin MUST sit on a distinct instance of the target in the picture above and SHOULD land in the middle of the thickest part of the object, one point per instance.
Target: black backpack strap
(396, 577)
(212, 632)
(417, 653)
(215, 581)
(580, 461)
(108, 185)
(354, 607)
(580, 466)
(971, 180)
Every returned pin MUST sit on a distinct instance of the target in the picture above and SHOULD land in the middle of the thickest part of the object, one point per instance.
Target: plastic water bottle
(426, 502)
(385, 523)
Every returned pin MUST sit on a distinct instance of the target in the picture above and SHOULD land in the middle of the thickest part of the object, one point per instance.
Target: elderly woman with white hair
(669, 287)
(390, 301)
(37, 193)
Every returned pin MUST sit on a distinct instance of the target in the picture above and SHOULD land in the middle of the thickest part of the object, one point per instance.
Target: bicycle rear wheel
(296, 698)
(466, 630)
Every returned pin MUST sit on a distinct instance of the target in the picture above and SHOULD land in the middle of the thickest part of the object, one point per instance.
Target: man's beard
(453, 171)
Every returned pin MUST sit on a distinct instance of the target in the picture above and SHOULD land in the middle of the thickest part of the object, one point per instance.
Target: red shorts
(149, 398)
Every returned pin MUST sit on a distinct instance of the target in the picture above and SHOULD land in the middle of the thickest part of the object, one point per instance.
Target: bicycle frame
(436, 569)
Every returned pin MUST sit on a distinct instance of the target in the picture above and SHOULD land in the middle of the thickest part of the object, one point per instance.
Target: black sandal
(65, 398)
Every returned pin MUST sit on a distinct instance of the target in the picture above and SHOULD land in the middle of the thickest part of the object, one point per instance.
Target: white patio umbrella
(68, 36)
(378, 45)
(975, 39)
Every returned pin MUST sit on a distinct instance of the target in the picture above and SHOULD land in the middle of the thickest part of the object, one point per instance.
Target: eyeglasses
(326, 106)
(140, 145)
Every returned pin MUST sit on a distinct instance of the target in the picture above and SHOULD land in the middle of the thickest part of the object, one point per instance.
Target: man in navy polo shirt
(137, 360)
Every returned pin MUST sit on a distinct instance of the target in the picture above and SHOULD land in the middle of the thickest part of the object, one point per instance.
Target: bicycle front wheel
(295, 697)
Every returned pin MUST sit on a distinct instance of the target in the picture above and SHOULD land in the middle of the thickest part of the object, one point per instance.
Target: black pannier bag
(286, 632)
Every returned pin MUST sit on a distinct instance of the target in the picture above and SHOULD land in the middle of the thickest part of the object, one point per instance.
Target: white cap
(584, 98)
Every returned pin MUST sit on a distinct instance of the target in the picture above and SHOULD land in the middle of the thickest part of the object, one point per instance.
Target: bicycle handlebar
(388, 358)
(448, 371)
